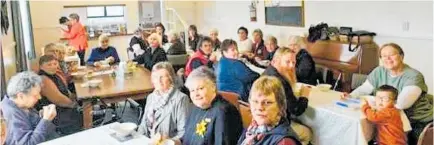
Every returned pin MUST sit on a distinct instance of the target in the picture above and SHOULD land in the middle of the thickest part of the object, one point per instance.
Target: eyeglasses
(262, 103)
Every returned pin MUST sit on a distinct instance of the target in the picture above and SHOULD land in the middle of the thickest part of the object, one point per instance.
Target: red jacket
(76, 36)
(388, 123)
(197, 55)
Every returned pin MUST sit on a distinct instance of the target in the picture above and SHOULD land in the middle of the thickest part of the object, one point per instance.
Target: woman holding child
(409, 82)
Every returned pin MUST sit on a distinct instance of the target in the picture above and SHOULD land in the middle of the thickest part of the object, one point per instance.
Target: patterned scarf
(156, 109)
(256, 133)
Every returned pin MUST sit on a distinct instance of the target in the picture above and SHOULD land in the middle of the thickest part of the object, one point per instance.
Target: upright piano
(336, 56)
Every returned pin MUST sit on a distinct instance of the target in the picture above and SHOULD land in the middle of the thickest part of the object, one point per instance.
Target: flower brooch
(201, 126)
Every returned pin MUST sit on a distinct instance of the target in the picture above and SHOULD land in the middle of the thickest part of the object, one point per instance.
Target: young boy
(386, 117)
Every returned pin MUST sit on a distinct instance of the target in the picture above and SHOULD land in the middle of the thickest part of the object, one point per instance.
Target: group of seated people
(202, 115)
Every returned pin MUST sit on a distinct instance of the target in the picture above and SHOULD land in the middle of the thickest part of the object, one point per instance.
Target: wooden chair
(246, 114)
(426, 137)
(230, 97)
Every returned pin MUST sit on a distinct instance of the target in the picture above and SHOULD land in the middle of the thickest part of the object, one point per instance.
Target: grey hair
(201, 73)
(23, 82)
(74, 16)
(174, 35)
(298, 40)
(168, 67)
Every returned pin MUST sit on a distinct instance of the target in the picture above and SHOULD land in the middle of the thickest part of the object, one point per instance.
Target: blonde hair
(289, 75)
(298, 40)
(214, 30)
(156, 36)
(269, 85)
(54, 49)
(103, 37)
(272, 39)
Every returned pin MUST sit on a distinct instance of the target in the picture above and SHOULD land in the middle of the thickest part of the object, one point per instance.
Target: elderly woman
(412, 98)
(258, 47)
(305, 66)
(268, 105)
(232, 74)
(283, 67)
(55, 91)
(25, 125)
(159, 28)
(203, 56)
(214, 35)
(244, 43)
(167, 108)
(153, 54)
(212, 120)
(104, 54)
(193, 38)
(177, 47)
(138, 44)
(268, 53)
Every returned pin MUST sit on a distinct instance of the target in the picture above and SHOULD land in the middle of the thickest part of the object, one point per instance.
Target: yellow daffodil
(201, 127)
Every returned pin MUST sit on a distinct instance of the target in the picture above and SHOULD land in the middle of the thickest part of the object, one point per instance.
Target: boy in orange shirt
(386, 117)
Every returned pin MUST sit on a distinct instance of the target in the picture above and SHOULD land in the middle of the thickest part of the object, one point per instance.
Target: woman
(412, 98)
(203, 56)
(26, 126)
(153, 54)
(55, 91)
(268, 53)
(214, 35)
(258, 47)
(167, 108)
(305, 66)
(138, 44)
(244, 43)
(76, 36)
(212, 120)
(232, 74)
(268, 105)
(159, 28)
(193, 38)
(104, 54)
(58, 51)
(177, 47)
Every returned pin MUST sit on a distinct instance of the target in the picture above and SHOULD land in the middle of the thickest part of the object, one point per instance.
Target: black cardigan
(294, 106)
(149, 59)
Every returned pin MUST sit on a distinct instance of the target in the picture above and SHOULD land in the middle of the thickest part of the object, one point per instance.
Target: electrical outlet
(406, 26)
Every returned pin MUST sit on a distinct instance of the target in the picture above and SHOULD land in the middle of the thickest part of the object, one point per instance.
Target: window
(105, 11)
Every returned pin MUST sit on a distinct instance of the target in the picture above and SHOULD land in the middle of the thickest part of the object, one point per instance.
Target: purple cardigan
(24, 128)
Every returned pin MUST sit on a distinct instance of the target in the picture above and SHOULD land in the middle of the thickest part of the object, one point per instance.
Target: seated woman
(58, 51)
(167, 108)
(305, 66)
(193, 38)
(412, 97)
(244, 43)
(232, 74)
(258, 49)
(26, 126)
(214, 35)
(159, 28)
(104, 54)
(203, 56)
(268, 52)
(138, 44)
(268, 106)
(212, 120)
(177, 47)
(55, 91)
(153, 54)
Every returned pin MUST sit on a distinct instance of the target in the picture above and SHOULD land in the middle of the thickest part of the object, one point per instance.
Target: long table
(113, 89)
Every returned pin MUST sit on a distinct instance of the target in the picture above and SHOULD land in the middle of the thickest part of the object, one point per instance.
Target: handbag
(359, 37)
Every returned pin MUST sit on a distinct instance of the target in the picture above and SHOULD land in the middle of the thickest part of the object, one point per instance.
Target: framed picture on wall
(284, 13)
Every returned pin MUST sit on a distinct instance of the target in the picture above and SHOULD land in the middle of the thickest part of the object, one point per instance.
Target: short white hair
(23, 82)
(298, 40)
(201, 73)
(214, 30)
(173, 34)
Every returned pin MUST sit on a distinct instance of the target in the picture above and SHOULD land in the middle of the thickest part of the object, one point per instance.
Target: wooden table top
(112, 86)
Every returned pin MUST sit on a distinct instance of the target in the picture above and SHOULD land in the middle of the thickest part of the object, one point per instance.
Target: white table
(96, 136)
(333, 124)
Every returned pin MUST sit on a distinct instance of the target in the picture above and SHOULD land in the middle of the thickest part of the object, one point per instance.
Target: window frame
(105, 10)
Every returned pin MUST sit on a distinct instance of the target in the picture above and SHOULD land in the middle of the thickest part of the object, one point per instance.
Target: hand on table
(345, 95)
(110, 59)
(97, 64)
(305, 91)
